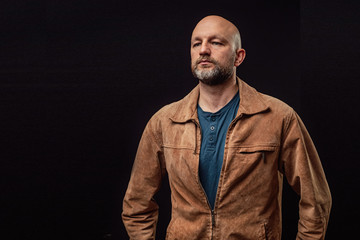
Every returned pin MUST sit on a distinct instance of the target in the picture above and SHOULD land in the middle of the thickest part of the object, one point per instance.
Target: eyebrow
(211, 38)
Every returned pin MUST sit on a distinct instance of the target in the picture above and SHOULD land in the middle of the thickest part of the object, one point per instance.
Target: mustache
(209, 59)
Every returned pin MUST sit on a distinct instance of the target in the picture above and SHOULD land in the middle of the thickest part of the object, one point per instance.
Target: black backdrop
(80, 79)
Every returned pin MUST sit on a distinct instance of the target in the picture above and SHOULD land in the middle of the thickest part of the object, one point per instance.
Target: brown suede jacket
(265, 141)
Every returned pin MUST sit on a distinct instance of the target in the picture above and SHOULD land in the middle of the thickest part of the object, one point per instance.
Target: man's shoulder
(181, 110)
(162, 118)
(277, 105)
(167, 110)
(253, 100)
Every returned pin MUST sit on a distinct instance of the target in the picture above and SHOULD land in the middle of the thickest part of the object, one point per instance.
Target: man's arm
(304, 172)
(140, 211)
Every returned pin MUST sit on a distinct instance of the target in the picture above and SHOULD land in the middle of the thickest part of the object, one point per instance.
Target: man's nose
(205, 50)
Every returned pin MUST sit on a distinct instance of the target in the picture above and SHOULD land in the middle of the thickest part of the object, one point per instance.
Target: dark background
(80, 79)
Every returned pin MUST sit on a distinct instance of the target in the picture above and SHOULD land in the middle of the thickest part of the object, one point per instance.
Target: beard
(215, 76)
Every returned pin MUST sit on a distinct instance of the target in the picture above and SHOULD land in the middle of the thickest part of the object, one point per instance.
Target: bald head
(218, 25)
(215, 51)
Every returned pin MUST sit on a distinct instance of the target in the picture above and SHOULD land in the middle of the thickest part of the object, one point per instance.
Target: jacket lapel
(251, 103)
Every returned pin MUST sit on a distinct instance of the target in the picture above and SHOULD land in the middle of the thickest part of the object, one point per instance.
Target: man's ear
(240, 56)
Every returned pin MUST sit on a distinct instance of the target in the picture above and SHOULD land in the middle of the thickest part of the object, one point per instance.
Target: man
(225, 148)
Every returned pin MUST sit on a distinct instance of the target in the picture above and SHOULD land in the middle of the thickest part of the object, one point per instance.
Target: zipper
(212, 213)
(213, 217)
(211, 210)
(213, 223)
(203, 190)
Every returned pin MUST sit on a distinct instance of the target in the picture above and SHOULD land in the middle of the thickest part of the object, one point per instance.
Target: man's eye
(196, 44)
(216, 43)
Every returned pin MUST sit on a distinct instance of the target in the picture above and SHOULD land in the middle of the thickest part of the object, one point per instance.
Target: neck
(213, 98)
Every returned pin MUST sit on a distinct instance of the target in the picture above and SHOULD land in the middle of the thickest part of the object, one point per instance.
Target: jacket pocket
(252, 170)
(250, 153)
(262, 232)
(258, 148)
(256, 153)
(267, 233)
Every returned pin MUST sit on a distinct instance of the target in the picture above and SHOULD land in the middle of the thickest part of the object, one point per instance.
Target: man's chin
(211, 81)
(205, 78)
(205, 71)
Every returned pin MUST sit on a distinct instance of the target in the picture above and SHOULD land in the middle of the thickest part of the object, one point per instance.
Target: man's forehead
(213, 26)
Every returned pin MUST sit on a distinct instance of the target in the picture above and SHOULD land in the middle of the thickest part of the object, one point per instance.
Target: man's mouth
(204, 61)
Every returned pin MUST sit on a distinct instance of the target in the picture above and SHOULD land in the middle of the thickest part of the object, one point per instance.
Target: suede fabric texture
(266, 141)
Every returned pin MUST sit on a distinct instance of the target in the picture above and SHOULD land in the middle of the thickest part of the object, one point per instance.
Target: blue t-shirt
(214, 128)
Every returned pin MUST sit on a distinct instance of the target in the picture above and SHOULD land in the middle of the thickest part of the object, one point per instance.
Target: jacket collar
(250, 103)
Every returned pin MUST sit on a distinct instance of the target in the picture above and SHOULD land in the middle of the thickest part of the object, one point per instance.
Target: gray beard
(215, 76)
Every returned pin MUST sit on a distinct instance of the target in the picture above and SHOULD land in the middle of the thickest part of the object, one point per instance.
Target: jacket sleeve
(304, 172)
(140, 211)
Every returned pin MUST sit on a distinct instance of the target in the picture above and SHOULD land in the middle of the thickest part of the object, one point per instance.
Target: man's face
(212, 53)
